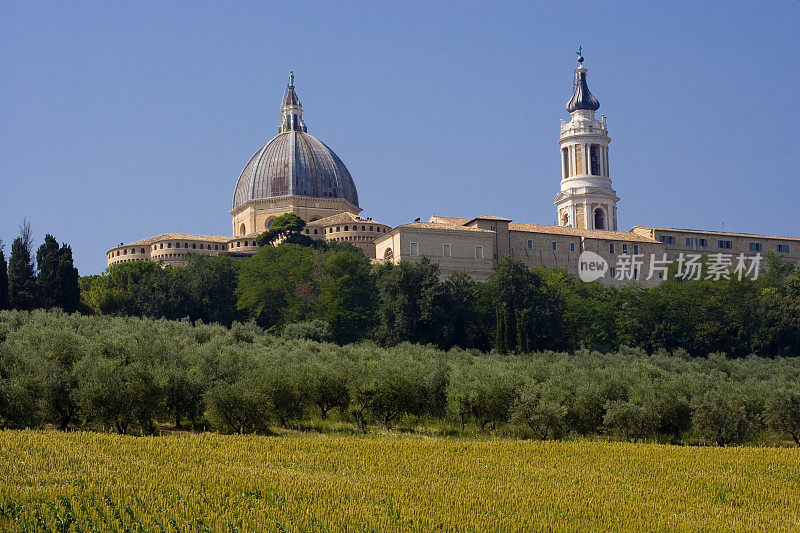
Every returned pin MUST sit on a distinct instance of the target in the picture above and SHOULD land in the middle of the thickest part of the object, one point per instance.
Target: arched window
(599, 219)
(242, 229)
(346, 228)
(142, 250)
(594, 159)
(388, 254)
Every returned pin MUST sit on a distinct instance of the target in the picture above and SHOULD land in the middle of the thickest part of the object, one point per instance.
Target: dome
(582, 98)
(294, 163)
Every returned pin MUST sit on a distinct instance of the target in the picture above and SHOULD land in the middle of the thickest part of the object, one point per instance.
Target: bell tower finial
(291, 110)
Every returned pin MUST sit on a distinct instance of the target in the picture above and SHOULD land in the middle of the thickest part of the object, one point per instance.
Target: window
(142, 250)
(624, 248)
(347, 228)
(635, 249)
(530, 245)
(612, 272)
(755, 246)
(363, 228)
(635, 273)
(242, 229)
(479, 252)
(565, 156)
(125, 251)
(594, 159)
(555, 246)
(572, 247)
(695, 243)
(599, 219)
(315, 232)
(245, 243)
(186, 245)
(667, 239)
(169, 245)
(414, 248)
(446, 250)
(216, 246)
(725, 244)
(161, 246)
(783, 248)
(338, 228)
(370, 228)
(611, 248)
(194, 246)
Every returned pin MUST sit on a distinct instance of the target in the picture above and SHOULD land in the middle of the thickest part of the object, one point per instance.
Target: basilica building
(294, 172)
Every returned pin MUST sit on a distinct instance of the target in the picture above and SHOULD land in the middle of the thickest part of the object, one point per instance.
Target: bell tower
(587, 199)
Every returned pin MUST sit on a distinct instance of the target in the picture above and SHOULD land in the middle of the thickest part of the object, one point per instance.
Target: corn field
(56, 481)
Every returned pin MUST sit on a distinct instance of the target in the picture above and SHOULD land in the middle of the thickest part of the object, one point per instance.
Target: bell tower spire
(587, 199)
(291, 109)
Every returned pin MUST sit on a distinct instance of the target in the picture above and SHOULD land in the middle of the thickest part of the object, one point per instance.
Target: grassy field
(311, 482)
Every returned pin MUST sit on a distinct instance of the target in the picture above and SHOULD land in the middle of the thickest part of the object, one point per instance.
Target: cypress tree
(3, 281)
(21, 279)
(48, 284)
(57, 282)
(69, 280)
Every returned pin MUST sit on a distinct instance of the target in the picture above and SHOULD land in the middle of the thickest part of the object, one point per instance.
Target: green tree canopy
(3, 280)
(21, 278)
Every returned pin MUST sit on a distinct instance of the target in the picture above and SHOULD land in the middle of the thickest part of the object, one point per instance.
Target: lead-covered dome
(294, 163)
(581, 97)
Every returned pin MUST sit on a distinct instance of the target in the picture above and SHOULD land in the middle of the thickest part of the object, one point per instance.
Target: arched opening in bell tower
(594, 159)
(599, 219)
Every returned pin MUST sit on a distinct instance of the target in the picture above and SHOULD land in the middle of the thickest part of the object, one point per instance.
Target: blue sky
(126, 120)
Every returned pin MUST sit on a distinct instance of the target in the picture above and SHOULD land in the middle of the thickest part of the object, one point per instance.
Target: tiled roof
(440, 225)
(333, 219)
(176, 236)
(341, 218)
(450, 220)
(720, 233)
(586, 233)
(489, 217)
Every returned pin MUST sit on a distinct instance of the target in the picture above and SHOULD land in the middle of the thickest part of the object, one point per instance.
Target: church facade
(294, 172)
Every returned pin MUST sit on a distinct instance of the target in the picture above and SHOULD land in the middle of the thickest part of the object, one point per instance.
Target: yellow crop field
(311, 482)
